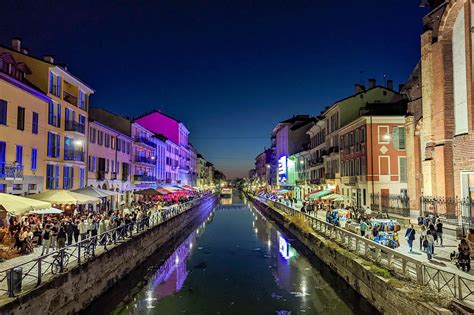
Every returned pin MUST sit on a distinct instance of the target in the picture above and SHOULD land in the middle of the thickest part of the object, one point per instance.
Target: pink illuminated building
(179, 153)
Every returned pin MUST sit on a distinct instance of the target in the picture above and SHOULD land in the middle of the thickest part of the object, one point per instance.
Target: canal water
(238, 262)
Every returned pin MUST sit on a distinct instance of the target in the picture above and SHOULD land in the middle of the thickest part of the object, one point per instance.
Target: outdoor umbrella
(320, 194)
(148, 192)
(64, 197)
(162, 191)
(283, 191)
(17, 205)
(47, 211)
(94, 192)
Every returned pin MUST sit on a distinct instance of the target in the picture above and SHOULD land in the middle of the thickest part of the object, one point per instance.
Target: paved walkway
(441, 253)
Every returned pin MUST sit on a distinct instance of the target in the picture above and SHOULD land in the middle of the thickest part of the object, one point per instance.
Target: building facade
(144, 157)
(66, 126)
(23, 114)
(109, 161)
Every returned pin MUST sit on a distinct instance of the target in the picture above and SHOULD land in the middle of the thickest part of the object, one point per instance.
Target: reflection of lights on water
(256, 230)
(176, 260)
(284, 247)
(190, 245)
(269, 243)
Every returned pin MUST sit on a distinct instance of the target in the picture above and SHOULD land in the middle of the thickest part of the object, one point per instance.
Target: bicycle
(56, 264)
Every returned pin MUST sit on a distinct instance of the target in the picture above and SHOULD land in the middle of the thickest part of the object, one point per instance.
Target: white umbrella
(47, 211)
(17, 205)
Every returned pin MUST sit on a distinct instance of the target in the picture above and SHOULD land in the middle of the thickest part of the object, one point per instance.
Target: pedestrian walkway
(440, 259)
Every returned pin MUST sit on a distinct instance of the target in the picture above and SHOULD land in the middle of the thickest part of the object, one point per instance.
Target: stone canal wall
(389, 296)
(75, 290)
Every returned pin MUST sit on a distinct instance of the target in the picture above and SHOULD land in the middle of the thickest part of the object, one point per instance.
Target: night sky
(230, 70)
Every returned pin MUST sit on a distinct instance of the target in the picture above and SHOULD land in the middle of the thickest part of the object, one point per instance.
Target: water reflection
(237, 262)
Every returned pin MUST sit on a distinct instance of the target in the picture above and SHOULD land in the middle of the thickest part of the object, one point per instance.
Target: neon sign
(282, 169)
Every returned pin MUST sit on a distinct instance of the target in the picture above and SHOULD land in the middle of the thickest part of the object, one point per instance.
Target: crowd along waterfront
(236, 262)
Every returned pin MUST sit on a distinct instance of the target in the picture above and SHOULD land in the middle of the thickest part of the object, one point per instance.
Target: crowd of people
(54, 231)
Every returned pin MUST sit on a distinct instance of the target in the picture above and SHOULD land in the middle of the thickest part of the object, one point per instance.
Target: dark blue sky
(227, 69)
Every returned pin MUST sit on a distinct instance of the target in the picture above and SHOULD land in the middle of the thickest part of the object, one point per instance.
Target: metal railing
(391, 203)
(71, 125)
(11, 170)
(457, 286)
(44, 268)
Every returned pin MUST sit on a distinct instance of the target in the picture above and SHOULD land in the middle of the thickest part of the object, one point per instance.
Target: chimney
(390, 84)
(359, 88)
(16, 44)
(372, 83)
(48, 58)
(24, 51)
(400, 87)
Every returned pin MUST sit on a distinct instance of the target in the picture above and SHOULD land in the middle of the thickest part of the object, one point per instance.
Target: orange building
(23, 114)
(67, 114)
(373, 157)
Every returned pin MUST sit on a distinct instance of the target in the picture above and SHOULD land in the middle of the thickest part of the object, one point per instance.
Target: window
(3, 112)
(119, 142)
(107, 140)
(20, 118)
(19, 154)
(53, 145)
(54, 84)
(112, 143)
(34, 123)
(399, 138)
(68, 177)
(82, 123)
(34, 159)
(82, 176)
(100, 137)
(383, 134)
(52, 176)
(402, 169)
(54, 114)
(82, 100)
(92, 135)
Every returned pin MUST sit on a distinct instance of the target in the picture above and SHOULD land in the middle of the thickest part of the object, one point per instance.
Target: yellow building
(23, 113)
(67, 118)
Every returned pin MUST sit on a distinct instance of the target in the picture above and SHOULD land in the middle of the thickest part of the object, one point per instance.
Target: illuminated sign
(282, 169)
(284, 247)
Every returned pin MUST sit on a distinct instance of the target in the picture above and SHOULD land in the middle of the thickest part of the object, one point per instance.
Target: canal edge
(387, 293)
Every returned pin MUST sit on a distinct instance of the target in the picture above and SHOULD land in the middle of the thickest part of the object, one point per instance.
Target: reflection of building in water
(226, 201)
(171, 275)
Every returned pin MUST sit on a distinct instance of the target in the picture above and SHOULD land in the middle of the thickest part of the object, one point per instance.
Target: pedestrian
(54, 235)
(363, 227)
(422, 236)
(429, 242)
(410, 237)
(61, 236)
(83, 229)
(464, 255)
(70, 231)
(75, 228)
(439, 231)
(46, 240)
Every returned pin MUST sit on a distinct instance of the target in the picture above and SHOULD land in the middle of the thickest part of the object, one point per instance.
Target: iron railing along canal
(29, 275)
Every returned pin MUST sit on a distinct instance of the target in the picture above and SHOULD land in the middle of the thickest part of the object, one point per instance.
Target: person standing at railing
(46, 239)
(70, 230)
(363, 227)
(75, 230)
(61, 236)
(410, 236)
(54, 235)
(422, 237)
(83, 229)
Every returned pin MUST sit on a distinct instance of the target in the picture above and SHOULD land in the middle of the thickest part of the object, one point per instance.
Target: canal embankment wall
(389, 296)
(73, 291)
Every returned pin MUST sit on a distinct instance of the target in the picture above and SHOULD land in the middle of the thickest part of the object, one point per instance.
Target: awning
(17, 205)
(171, 189)
(64, 197)
(313, 192)
(47, 211)
(336, 197)
(283, 191)
(320, 194)
(95, 192)
(189, 187)
(162, 191)
(148, 192)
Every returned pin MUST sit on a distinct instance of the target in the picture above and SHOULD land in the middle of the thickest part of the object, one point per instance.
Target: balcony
(145, 141)
(330, 176)
(11, 171)
(333, 149)
(144, 178)
(70, 98)
(74, 155)
(72, 125)
(349, 180)
(113, 176)
(145, 159)
(362, 178)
